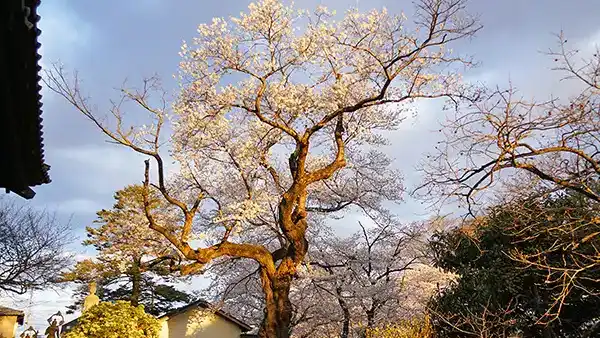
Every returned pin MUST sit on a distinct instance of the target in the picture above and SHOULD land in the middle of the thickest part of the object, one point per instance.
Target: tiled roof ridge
(6, 311)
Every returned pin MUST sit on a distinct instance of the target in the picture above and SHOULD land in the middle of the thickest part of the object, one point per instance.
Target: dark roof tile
(20, 99)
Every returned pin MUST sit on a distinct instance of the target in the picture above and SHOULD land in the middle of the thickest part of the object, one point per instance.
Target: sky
(109, 41)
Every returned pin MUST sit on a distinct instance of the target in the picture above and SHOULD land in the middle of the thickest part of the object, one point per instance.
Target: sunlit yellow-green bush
(415, 328)
(115, 320)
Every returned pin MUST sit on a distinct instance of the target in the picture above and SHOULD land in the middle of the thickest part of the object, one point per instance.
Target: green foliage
(115, 320)
(524, 270)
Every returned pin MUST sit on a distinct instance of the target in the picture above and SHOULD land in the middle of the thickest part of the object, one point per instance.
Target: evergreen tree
(157, 295)
(526, 268)
(133, 262)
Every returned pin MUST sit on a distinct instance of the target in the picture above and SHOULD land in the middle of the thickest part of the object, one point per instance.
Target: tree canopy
(501, 134)
(527, 267)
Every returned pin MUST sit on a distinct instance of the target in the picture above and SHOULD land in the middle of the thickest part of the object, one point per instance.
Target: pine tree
(133, 262)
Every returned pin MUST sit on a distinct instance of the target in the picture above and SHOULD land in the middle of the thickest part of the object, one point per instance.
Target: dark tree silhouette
(32, 248)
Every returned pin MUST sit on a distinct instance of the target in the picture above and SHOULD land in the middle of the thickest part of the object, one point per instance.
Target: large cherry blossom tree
(277, 122)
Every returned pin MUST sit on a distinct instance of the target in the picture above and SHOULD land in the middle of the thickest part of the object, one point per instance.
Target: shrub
(115, 320)
(414, 328)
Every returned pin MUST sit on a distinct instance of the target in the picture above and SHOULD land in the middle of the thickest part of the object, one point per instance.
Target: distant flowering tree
(375, 278)
(365, 273)
(278, 123)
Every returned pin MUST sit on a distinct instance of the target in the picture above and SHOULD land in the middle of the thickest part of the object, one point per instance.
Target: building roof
(21, 141)
(69, 325)
(206, 305)
(8, 312)
(194, 305)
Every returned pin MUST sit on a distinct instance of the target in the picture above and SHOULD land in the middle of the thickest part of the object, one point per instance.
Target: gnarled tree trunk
(278, 308)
